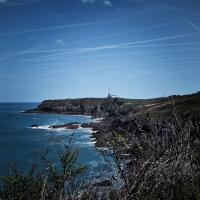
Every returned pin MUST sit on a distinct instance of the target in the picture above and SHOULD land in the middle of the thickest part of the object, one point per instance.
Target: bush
(152, 160)
(159, 160)
(53, 182)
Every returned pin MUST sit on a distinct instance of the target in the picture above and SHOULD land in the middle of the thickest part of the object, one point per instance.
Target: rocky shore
(73, 125)
(118, 115)
(96, 107)
(103, 129)
(106, 130)
(154, 155)
(104, 112)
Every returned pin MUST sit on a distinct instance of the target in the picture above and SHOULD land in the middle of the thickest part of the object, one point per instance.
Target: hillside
(184, 106)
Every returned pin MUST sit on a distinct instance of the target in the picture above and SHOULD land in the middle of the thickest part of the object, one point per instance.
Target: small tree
(55, 181)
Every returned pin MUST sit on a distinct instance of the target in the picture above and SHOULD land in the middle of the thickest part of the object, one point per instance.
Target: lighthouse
(110, 95)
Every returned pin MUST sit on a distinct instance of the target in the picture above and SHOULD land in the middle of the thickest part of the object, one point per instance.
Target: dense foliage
(53, 181)
(152, 160)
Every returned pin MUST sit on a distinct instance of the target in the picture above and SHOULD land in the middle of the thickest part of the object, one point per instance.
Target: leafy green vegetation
(153, 160)
(185, 106)
(54, 181)
(154, 150)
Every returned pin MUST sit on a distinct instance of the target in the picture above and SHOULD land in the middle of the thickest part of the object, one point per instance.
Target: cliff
(98, 107)
(185, 106)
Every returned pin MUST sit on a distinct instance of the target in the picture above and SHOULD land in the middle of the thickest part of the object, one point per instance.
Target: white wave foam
(94, 163)
(89, 143)
(46, 127)
(97, 120)
(88, 116)
(88, 130)
(85, 136)
(60, 129)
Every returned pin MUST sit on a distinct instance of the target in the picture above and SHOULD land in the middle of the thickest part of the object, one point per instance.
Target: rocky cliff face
(99, 107)
(186, 106)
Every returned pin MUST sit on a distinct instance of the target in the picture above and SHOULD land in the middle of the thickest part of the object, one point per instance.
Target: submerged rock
(34, 126)
(72, 125)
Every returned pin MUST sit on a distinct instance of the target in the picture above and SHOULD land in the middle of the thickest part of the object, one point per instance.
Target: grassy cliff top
(183, 105)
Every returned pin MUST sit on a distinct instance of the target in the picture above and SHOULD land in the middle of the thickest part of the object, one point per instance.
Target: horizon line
(164, 96)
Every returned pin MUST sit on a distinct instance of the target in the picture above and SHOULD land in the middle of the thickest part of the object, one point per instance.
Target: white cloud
(104, 2)
(3, 1)
(107, 3)
(88, 1)
(60, 42)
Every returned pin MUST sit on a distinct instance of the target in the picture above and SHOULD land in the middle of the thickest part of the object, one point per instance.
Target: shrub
(52, 182)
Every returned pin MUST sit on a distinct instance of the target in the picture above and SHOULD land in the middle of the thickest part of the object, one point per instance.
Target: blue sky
(79, 48)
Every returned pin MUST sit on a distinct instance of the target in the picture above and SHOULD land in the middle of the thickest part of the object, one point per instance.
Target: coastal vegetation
(152, 145)
(186, 106)
(49, 180)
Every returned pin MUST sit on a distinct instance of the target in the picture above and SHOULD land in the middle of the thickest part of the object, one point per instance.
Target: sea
(23, 146)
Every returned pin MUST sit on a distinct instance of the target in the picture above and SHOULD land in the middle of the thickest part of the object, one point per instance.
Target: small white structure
(111, 96)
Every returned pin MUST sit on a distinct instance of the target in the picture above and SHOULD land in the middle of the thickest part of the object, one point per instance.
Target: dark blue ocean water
(20, 143)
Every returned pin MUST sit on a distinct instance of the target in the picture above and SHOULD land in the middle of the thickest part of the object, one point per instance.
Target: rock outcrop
(98, 107)
(185, 106)
(73, 125)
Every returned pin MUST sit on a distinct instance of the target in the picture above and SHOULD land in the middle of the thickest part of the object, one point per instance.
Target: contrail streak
(117, 46)
(122, 45)
(154, 40)
(57, 27)
(184, 61)
(81, 50)
(130, 31)
(98, 37)
(25, 52)
(197, 28)
(35, 60)
(75, 25)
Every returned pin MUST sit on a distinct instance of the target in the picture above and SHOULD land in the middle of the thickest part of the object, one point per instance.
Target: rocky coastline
(102, 111)
(118, 115)
(103, 129)
(96, 107)
(147, 151)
